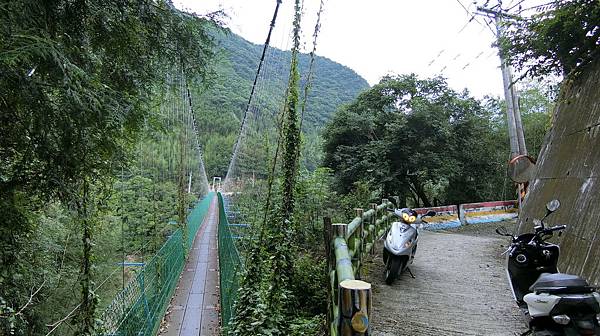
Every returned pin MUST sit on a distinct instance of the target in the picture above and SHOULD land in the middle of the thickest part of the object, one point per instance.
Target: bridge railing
(230, 266)
(347, 245)
(139, 308)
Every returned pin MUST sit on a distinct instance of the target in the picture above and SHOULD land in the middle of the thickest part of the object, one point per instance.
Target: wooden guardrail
(349, 304)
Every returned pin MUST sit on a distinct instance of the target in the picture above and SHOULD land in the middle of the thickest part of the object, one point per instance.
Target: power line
(472, 17)
(518, 4)
(469, 13)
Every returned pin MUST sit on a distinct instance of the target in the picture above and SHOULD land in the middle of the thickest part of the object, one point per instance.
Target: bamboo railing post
(375, 228)
(361, 241)
(386, 222)
(355, 308)
(339, 230)
(327, 235)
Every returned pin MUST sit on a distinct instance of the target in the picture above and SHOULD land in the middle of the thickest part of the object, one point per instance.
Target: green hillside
(220, 104)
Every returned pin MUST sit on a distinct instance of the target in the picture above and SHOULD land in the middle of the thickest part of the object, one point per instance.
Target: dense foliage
(425, 142)
(265, 298)
(556, 40)
(78, 80)
(96, 152)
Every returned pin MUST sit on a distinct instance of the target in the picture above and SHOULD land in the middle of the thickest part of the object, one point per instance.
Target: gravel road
(460, 289)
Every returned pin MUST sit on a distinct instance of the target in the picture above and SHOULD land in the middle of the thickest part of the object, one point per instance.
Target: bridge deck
(194, 307)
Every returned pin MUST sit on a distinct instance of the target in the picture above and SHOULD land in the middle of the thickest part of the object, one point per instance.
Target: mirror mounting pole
(542, 220)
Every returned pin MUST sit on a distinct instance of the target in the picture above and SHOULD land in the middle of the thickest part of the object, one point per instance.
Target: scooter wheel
(391, 270)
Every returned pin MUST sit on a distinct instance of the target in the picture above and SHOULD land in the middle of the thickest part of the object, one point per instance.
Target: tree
(415, 138)
(557, 40)
(78, 78)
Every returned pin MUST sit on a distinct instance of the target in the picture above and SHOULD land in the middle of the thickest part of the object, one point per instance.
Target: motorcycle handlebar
(551, 229)
(543, 232)
(557, 228)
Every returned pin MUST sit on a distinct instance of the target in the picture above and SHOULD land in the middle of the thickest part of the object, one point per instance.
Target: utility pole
(515, 126)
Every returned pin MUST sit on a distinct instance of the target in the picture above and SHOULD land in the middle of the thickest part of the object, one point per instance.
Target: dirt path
(460, 289)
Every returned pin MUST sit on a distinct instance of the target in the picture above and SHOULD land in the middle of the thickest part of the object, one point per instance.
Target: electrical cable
(472, 18)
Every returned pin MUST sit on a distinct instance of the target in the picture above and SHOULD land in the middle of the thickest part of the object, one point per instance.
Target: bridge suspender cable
(195, 129)
(307, 85)
(260, 63)
(281, 119)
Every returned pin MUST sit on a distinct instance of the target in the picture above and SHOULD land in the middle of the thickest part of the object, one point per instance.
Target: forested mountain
(220, 103)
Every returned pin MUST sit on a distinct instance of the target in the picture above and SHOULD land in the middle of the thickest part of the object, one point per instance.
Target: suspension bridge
(190, 285)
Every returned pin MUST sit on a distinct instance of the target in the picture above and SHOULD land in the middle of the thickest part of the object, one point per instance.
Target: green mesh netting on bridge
(139, 308)
(230, 265)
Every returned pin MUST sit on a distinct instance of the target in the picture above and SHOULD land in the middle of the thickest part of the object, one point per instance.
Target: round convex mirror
(521, 169)
(553, 205)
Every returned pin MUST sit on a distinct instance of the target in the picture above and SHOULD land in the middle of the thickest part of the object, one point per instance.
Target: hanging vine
(291, 130)
(263, 301)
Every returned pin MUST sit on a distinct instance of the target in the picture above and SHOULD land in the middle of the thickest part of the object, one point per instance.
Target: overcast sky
(378, 37)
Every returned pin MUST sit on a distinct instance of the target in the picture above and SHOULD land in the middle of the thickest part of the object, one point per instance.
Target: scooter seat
(560, 283)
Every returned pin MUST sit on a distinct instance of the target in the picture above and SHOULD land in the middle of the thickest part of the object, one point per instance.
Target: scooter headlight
(408, 218)
(561, 319)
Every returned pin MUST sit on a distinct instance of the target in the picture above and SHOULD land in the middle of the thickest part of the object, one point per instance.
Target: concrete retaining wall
(568, 169)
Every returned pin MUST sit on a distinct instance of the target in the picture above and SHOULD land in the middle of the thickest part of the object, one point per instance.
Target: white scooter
(553, 303)
(400, 244)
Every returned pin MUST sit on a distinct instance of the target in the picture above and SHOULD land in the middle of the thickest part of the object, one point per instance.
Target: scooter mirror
(501, 230)
(553, 205)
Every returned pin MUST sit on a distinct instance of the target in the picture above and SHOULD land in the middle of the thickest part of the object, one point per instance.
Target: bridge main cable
(253, 90)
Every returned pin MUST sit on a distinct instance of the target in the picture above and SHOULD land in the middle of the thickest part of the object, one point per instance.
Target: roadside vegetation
(93, 161)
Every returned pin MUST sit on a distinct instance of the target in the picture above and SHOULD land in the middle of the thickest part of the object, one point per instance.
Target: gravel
(460, 288)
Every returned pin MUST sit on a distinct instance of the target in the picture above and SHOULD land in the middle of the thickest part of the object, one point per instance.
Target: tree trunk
(418, 189)
(88, 303)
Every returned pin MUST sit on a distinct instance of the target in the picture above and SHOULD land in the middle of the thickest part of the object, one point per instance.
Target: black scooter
(553, 303)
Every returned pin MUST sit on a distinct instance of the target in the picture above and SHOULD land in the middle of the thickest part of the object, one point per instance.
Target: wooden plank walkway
(194, 307)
